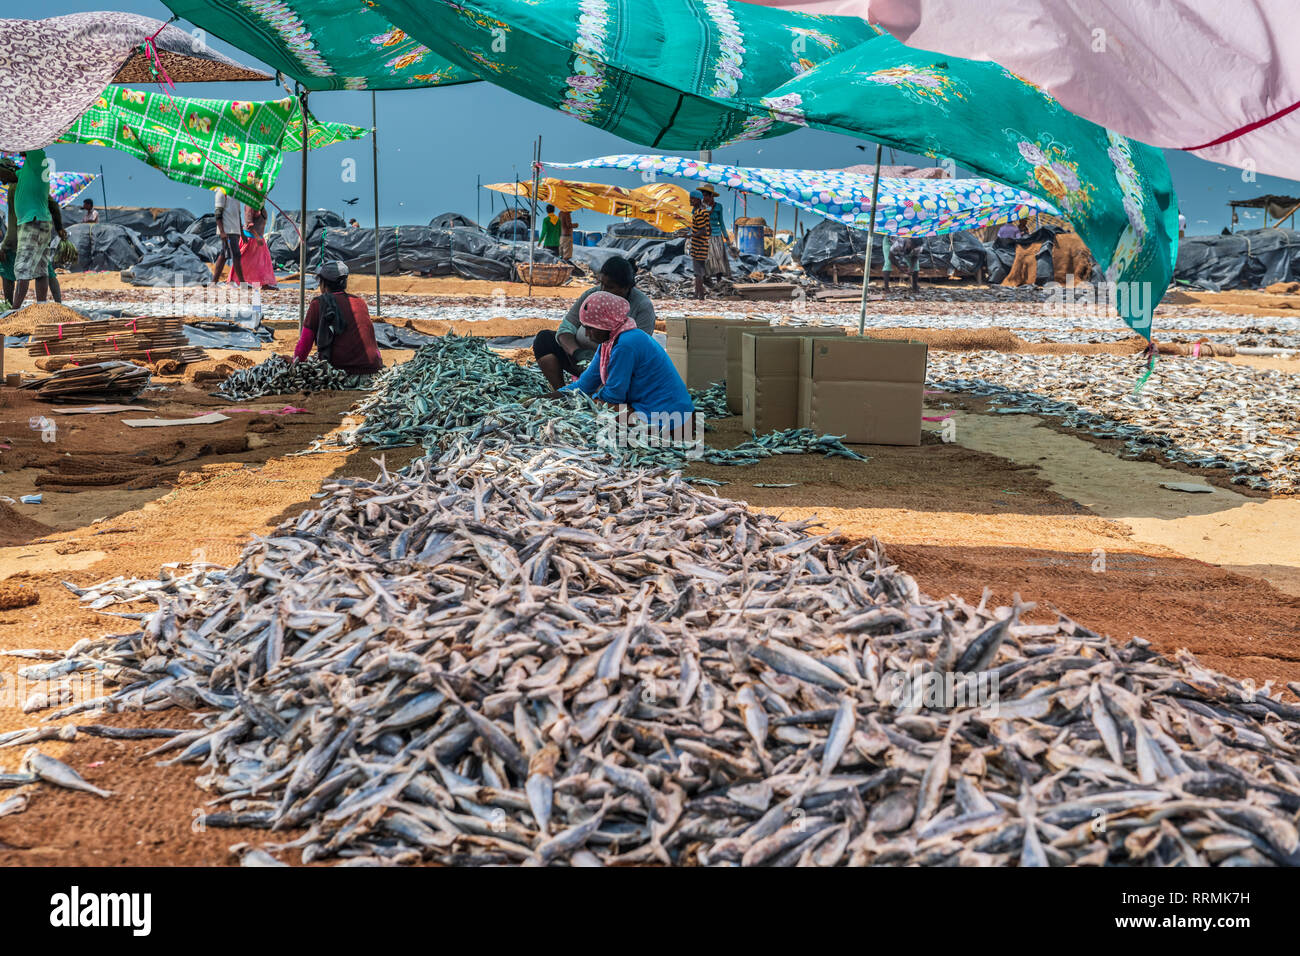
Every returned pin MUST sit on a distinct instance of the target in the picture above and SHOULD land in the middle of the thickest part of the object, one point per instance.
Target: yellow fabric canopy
(665, 206)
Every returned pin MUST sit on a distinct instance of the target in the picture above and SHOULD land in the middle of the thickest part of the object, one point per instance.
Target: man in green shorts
(33, 225)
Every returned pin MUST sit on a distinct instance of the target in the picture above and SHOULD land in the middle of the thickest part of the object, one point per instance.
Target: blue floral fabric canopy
(904, 207)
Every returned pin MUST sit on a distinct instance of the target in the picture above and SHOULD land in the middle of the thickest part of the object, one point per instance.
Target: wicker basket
(545, 273)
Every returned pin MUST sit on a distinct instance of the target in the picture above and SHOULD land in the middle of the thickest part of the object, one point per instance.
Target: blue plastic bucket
(593, 238)
(749, 237)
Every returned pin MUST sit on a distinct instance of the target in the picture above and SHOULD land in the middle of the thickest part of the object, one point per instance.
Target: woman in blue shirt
(630, 368)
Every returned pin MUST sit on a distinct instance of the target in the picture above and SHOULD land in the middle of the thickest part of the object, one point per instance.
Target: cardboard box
(769, 374)
(868, 390)
(698, 347)
(735, 389)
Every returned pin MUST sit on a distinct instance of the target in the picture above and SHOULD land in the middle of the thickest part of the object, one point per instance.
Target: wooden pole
(532, 223)
(302, 219)
(871, 238)
(374, 146)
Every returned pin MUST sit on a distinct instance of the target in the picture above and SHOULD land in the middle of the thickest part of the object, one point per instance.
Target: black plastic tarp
(102, 248)
(317, 220)
(226, 335)
(462, 251)
(453, 220)
(665, 258)
(394, 337)
(508, 215)
(168, 266)
(627, 235)
(832, 243)
(145, 221)
(1002, 254)
(515, 229)
(1250, 259)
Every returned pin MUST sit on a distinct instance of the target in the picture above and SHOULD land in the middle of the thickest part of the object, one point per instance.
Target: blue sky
(435, 142)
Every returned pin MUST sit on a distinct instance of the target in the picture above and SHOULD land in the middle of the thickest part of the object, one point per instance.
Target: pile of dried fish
(1202, 413)
(278, 376)
(791, 441)
(458, 388)
(448, 384)
(711, 402)
(514, 653)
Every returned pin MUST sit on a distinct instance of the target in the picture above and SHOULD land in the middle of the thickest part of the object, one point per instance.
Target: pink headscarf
(604, 310)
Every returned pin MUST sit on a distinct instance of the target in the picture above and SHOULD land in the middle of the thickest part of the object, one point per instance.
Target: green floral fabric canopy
(670, 74)
(324, 44)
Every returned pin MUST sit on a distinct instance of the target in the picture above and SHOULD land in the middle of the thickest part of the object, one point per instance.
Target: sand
(1255, 536)
(1237, 302)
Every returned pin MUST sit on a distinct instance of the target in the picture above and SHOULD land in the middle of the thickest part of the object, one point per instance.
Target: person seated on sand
(339, 325)
(568, 349)
(631, 371)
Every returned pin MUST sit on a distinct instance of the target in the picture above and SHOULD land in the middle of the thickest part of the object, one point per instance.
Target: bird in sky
(352, 202)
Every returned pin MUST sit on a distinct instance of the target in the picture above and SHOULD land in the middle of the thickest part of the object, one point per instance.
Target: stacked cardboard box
(769, 380)
(698, 347)
(868, 390)
(735, 374)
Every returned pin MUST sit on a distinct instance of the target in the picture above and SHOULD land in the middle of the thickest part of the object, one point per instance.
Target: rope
(195, 143)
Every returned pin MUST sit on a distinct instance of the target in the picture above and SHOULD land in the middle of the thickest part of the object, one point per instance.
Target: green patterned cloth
(323, 44)
(669, 74)
(233, 146)
(230, 145)
(322, 133)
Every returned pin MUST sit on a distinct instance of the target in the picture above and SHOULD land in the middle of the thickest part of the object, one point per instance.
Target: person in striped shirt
(698, 244)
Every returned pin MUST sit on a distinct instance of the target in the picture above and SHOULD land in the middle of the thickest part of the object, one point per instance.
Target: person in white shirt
(230, 229)
(1182, 225)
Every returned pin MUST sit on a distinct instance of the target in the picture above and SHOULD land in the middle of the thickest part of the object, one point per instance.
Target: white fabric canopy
(1220, 79)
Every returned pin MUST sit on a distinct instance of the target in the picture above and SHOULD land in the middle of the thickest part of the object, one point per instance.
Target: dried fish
(521, 652)
(278, 376)
(1202, 413)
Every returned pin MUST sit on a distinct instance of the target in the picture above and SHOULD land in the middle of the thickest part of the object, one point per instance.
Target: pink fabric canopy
(1219, 79)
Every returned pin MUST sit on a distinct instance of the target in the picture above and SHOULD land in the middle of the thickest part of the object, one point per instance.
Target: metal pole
(302, 220)
(103, 189)
(374, 146)
(871, 238)
(532, 235)
(478, 200)
(776, 219)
